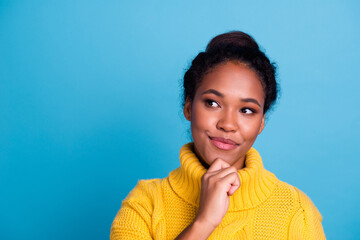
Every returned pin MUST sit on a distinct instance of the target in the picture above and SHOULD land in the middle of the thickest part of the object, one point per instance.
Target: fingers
(226, 171)
(218, 164)
(227, 177)
(217, 184)
(220, 168)
(232, 182)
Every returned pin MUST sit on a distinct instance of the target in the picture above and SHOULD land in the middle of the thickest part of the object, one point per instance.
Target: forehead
(233, 80)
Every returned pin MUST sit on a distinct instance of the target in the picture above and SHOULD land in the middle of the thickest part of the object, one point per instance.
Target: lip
(223, 143)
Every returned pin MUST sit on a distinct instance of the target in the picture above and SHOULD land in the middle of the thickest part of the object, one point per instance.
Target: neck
(257, 183)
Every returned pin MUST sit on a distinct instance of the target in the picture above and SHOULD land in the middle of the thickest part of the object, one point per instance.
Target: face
(226, 113)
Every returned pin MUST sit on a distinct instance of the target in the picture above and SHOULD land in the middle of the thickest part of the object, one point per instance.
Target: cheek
(200, 119)
(251, 128)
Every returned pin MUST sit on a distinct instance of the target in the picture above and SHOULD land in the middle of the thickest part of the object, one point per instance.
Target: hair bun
(234, 38)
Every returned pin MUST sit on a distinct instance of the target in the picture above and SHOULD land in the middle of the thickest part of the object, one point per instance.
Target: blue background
(90, 103)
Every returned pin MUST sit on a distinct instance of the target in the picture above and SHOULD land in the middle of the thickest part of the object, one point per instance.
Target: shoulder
(301, 200)
(147, 185)
(140, 212)
(307, 205)
(306, 219)
(144, 191)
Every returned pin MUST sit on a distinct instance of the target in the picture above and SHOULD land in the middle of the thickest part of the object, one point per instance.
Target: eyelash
(208, 103)
(252, 110)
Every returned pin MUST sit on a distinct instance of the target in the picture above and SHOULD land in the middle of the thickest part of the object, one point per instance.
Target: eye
(211, 103)
(247, 110)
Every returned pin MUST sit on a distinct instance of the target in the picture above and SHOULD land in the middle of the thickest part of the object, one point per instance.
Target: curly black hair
(238, 47)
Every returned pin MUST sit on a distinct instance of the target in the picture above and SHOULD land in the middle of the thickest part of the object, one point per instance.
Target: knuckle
(234, 175)
(210, 178)
(206, 176)
(218, 160)
(233, 169)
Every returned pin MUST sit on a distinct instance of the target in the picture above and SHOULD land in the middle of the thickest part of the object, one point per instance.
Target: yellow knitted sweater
(262, 208)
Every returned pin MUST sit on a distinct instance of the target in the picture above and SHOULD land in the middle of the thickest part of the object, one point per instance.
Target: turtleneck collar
(256, 182)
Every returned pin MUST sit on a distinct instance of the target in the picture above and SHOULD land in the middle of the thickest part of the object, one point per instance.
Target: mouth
(223, 143)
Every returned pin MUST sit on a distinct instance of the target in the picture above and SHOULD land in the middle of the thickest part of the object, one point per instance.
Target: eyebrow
(252, 100)
(213, 91)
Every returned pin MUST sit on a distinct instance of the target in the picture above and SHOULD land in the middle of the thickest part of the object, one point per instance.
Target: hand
(217, 184)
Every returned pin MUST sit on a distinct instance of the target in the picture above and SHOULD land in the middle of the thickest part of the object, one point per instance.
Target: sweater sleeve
(137, 218)
(306, 223)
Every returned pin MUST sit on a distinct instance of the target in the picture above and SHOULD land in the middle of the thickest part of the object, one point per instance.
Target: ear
(187, 110)
(262, 124)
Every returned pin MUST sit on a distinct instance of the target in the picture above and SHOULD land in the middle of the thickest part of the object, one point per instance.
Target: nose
(227, 122)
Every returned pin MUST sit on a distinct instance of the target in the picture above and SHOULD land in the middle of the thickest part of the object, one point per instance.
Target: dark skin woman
(227, 115)
(221, 190)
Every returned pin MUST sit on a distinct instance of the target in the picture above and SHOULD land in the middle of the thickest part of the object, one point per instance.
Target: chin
(229, 159)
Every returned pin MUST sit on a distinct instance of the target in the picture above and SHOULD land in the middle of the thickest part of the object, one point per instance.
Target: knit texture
(262, 208)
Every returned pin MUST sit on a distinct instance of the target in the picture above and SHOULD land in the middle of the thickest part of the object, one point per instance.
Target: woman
(221, 190)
